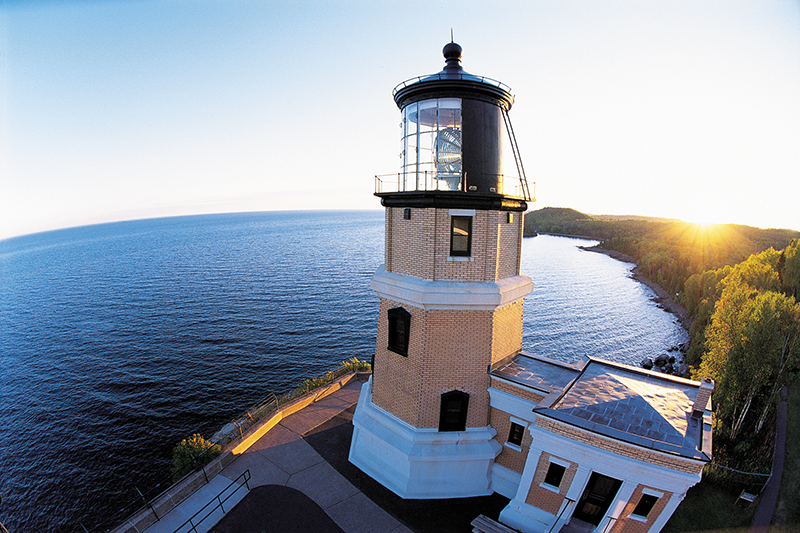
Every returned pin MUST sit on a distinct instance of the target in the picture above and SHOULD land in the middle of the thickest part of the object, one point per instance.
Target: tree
(790, 272)
(760, 357)
(740, 351)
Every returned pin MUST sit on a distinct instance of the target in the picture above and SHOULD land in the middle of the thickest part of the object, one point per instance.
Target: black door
(596, 499)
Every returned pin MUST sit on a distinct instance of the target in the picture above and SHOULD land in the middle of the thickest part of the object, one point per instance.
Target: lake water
(119, 340)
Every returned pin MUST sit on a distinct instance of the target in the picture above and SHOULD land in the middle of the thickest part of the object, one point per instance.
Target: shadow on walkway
(332, 441)
(276, 508)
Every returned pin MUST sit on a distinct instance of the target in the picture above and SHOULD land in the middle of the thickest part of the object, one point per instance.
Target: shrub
(190, 454)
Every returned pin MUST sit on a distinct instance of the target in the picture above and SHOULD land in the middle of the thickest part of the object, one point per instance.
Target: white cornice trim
(457, 295)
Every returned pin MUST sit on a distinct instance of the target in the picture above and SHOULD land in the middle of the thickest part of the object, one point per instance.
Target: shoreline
(663, 299)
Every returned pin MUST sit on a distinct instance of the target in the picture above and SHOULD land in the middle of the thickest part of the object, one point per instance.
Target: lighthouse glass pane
(448, 144)
(432, 145)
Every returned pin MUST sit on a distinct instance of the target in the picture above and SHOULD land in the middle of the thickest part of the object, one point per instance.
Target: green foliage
(752, 348)
(192, 453)
(790, 270)
(345, 367)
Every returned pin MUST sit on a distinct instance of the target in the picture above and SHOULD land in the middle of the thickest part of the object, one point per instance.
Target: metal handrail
(450, 76)
(245, 475)
(384, 185)
(523, 179)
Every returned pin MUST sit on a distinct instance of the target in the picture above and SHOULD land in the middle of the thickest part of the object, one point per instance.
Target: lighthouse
(451, 292)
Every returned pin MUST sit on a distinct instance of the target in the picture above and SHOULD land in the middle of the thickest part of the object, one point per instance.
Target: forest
(740, 287)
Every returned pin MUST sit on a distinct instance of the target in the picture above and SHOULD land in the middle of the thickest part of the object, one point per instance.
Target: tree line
(740, 285)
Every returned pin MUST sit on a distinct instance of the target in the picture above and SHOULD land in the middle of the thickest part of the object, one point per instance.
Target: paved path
(282, 458)
(301, 480)
(292, 487)
(769, 497)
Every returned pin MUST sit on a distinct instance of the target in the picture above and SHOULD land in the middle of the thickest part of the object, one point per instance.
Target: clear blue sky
(114, 110)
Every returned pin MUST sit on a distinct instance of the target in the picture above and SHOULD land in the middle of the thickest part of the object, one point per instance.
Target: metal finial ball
(452, 51)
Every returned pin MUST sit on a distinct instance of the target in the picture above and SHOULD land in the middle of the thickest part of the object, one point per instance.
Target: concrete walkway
(281, 458)
(769, 497)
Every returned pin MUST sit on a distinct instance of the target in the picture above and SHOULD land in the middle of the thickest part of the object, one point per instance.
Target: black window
(461, 236)
(555, 474)
(516, 433)
(453, 414)
(645, 505)
(399, 322)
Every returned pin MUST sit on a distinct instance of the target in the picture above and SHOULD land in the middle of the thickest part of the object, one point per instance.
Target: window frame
(515, 437)
(553, 470)
(453, 236)
(398, 337)
(645, 505)
(445, 417)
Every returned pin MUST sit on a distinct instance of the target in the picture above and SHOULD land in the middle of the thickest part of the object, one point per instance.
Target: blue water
(118, 340)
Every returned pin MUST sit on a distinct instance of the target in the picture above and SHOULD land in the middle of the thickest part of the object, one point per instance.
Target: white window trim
(519, 422)
(648, 492)
(462, 212)
(559, 462)
(460, 259)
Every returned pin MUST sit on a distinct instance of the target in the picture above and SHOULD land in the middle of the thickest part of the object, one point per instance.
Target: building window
(516, 433)
(461, 236)
(453, 413)
(399, 323)
(554, 475)
(645, 505)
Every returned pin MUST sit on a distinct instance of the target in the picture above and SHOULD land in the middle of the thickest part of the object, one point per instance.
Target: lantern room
(456, 138)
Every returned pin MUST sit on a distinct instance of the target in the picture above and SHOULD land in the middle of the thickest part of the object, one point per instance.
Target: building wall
(619, 448)
(506, 331)
(626, 524)
(420, 246)
(544, 498)
(509, 457)
(448, 350)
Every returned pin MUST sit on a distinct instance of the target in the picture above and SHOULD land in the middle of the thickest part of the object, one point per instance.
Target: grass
(710, 508)
(707, 507)
(787, 513)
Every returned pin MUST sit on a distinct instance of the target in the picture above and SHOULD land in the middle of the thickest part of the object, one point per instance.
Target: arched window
(453, 414)
(399, 323)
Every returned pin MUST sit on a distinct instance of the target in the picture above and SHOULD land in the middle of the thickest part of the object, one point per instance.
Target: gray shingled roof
(626, 403)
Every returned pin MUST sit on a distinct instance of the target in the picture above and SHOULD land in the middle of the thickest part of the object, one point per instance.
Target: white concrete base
(526, 518)
(421, 463)
(505, 481)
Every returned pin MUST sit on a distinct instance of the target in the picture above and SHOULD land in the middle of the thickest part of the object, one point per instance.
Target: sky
(116, 110)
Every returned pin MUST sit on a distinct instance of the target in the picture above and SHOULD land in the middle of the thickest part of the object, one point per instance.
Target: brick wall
(420, 246)
(617, 447)
(509, 457)
(447, 350)
(506, 331)
(546, 499)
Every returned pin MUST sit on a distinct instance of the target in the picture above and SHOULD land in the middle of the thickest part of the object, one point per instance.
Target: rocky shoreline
(664, 301)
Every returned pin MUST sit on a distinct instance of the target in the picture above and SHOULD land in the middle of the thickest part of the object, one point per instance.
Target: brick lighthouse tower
(451, 291)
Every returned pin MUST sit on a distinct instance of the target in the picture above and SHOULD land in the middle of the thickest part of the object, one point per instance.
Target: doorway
(597, 498)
